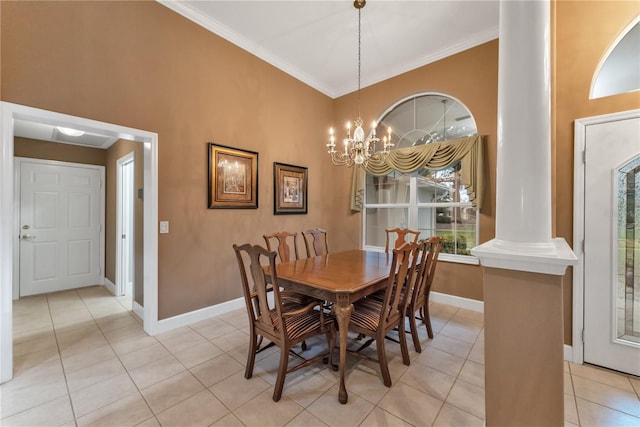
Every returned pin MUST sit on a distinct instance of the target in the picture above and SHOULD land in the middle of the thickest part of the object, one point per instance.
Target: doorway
(608, 231)
(125, 226)
(9, 114)
(60, 222)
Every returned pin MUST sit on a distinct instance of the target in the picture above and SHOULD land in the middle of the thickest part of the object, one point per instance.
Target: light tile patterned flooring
(80, 358)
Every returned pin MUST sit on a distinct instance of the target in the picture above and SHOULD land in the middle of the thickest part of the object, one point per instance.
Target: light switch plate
(164, 227)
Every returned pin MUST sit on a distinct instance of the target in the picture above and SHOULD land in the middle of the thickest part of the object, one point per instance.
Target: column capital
(552, 258)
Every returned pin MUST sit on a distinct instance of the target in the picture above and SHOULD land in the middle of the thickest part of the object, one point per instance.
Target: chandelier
(358, 149)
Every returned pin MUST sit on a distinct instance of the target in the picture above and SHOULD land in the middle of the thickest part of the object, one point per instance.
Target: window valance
(434, 156)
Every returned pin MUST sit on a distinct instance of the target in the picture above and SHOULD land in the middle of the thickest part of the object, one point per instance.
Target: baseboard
(568, 353)
(108, 284)
(174, 322)
(138, 310)
(184, 319)
(456, 301)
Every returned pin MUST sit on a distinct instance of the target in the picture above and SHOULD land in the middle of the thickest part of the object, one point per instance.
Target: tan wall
(142, 76)
(116, 151)
(36, 149)
(584, 31)
(141, 65)
(472, 77)
(580, 39)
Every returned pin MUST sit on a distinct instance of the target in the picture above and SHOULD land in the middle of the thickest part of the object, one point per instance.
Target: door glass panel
(628, 248)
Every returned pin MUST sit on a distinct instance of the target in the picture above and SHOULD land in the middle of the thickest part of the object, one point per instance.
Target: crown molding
(233, 37)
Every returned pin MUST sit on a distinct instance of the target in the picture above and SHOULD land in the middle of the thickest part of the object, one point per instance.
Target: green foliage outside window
(451, 245)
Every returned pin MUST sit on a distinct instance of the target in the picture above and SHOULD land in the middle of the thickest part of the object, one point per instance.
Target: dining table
(340, 278)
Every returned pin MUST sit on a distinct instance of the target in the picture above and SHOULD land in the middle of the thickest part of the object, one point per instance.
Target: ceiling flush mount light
(69, 131)
(358, 149)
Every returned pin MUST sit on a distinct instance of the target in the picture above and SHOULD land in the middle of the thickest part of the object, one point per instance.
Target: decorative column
(523, 266)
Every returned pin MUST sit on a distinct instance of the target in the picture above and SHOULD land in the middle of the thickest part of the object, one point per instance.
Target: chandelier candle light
(358, 149)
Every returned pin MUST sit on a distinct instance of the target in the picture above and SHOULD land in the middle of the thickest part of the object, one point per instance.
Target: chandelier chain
(359, 56)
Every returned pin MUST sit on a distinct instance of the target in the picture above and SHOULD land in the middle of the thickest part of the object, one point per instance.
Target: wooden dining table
(341, 278)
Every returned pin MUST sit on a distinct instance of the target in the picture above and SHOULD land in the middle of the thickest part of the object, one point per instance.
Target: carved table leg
(343, 309)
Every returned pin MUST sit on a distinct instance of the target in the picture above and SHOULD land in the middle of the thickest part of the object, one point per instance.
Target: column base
(524, 352)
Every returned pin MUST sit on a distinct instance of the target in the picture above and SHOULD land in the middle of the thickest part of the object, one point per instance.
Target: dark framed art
(233, 178)
(290, 189)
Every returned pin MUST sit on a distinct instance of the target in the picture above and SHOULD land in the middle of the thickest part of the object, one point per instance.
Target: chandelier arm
(341, 159)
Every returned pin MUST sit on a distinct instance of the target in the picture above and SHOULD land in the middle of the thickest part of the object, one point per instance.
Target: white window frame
(412, 215)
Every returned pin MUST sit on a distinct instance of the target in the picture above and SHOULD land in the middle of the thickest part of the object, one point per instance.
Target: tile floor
(81, 358)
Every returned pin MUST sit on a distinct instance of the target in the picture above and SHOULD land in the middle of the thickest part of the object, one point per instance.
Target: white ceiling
(317, 41)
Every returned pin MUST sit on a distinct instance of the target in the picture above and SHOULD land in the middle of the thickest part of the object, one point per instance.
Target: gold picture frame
(233, 178)
(290, 189)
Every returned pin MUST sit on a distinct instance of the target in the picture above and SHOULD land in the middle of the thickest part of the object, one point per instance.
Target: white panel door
(60, 225)
(611, 276)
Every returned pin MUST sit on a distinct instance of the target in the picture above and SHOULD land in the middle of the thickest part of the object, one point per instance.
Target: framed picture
(233, 178)
(290, 189)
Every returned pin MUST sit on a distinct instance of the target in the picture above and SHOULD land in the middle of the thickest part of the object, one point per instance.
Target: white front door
(60, 226)
(612, 245)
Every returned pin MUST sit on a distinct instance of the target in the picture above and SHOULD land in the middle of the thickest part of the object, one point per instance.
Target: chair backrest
(255, 287)
(281, 242)
(395, 302)
(401, 238)
(315, 242)
(430, 250)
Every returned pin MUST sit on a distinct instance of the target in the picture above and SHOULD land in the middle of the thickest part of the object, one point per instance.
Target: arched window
(428, 117)
(618, 70)
(434, 202)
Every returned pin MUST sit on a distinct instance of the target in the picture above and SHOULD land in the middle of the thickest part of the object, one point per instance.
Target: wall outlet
(164, 227)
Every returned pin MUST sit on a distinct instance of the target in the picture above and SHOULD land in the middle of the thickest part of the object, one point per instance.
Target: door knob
(28, 237)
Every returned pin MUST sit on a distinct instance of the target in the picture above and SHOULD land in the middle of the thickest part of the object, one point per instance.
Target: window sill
(460, 259)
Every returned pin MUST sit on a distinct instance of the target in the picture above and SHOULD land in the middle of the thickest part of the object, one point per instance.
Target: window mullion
(413, 202)
(443, 205)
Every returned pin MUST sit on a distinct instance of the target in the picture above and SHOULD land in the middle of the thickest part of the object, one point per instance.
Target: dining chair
(376, 318)
(419, 301)
(401, 238)
(284, 324)
(315, 242)
(282, 242)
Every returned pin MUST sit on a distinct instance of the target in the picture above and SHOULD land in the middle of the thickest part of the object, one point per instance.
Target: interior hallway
(81, 358)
